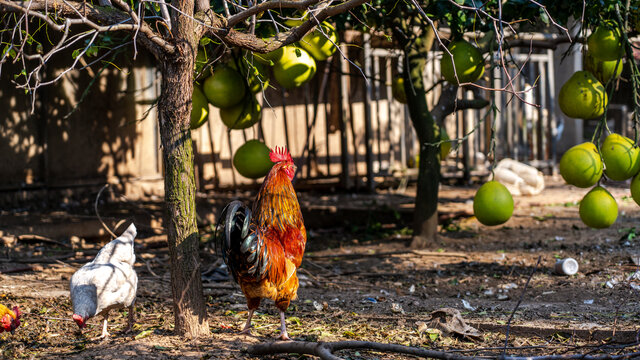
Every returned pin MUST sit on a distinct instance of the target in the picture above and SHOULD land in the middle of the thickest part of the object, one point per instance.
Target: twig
(146, 262)
(49, 317)
(634, 355)
(56, 259)
(95, 207)
(165, 14)
(26, 237)
(524, 291)
(388, 253)
(17, 270)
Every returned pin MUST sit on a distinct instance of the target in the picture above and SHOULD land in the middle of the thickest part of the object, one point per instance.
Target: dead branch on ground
(388, 253)
(325, 351)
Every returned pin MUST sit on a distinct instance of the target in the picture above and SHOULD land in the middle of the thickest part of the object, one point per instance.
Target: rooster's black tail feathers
(237, 240)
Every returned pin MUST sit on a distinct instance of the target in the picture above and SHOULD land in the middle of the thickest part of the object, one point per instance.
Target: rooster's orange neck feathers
(277, 205)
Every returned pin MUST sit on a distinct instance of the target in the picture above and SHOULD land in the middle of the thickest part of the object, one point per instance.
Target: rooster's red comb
(280, 154)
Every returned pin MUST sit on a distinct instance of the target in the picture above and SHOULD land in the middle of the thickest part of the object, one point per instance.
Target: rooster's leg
(131, 320)
(247, 326)
(283, 328)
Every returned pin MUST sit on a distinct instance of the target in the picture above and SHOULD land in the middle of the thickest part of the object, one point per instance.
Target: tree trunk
(174, 108)
(425, 217)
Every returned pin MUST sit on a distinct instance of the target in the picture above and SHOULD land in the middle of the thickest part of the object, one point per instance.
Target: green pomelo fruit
(224, 88)
(320, 45)
(598, 209)
(581, 165)
(621, 157)
(397, 90)
(469, 65)
(635, 189)
(243, 115)
(252, 159)
(604, 43)
(493, 204)
(295, 68)
(603, 70)
(200, 108)
(582, 96)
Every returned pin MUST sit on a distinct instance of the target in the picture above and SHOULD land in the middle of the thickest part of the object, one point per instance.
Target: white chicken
(108, 282)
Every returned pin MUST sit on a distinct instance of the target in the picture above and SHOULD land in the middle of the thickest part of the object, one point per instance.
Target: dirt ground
(359, 280)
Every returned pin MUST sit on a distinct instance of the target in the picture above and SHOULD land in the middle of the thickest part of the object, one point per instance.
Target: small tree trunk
(174, 111)
(425, 217)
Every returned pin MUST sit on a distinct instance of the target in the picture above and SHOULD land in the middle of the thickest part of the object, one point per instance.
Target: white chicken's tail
(119, 249)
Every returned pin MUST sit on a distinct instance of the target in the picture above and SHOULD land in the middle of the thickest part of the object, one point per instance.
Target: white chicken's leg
(247, 326)
(283, 328)
(105, 333)
(131, 320)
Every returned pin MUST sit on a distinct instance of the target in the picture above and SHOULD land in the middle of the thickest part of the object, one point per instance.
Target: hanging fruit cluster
(584, 95)
(618, 157)
(232, 85)
(583, 166)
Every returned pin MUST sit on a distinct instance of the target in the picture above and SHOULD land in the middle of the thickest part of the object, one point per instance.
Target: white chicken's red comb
(280, 154)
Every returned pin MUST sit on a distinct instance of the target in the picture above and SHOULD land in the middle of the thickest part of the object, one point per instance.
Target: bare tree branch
(216, 26)
(448, 103)
(268, 5)
(80, 13)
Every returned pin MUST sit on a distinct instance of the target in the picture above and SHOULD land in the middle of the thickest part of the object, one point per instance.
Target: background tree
(415, 27)
(171, 31)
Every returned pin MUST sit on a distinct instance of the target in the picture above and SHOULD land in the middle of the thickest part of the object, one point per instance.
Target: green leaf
(543, 16)
(143, 334)
(11, 51)
(92, 51)
(22, 72)
(75, 53)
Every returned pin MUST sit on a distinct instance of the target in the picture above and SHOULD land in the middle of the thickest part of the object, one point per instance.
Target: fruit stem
(635, 74)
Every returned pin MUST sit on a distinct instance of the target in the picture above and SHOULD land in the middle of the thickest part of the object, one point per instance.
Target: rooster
(108, 282)
(263, 247)
(9, 319)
